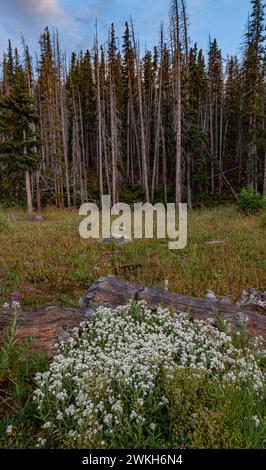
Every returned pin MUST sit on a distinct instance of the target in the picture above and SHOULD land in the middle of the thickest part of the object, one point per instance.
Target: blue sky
(75, 19)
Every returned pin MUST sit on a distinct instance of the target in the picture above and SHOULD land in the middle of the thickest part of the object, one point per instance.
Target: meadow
(187, 386)
(49, 264)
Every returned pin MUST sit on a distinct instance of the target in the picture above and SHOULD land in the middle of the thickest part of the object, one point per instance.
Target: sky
(75, 20)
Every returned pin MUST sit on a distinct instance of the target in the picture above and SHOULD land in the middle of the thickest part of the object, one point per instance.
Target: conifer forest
(132, 233)
(167, 124)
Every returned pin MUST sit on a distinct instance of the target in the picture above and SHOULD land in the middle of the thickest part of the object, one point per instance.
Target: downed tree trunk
(53, 325)
(111, 292)
(45, 327)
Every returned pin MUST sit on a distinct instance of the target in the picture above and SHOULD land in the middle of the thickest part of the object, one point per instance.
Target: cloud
(30, 17)
(45, 7)
(33, 8)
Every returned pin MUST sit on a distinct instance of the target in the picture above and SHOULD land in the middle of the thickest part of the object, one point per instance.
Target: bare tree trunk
(158, 123)
(175, 20)
(164, 166)
(264, 179)
(29, 194)
(178, 187)
(189, 190)
(28, 182)
(221, 149)
(99, 120)
(212, 147)
(38, 192)
(113, 141)
(142, 134)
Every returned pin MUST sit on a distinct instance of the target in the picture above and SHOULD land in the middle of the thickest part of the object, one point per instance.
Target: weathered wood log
(111, 292)
(50, 326)
(45, 327)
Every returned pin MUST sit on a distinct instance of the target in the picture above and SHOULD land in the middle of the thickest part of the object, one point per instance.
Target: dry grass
(49, 264)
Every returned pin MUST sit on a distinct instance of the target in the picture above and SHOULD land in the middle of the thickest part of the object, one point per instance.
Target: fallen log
(46, 327)
(50, 326)
(111, 292)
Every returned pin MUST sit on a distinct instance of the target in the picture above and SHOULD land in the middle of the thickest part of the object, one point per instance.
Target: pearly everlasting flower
(125, 349)
(256, 421)
(9, 429)
(40, 442)
(133, 415)
(47, 425)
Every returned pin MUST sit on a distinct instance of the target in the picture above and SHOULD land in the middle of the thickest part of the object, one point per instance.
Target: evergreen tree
(254, 79)
(17, 148)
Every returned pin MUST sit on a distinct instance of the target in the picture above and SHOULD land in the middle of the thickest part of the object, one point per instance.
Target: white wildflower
(40, 442)
(256, 421)
(9, 429)
(47, 425)
(125, 349)
(133, 415)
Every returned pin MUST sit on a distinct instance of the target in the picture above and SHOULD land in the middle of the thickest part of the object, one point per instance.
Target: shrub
(8, 203)
(133, 194)
(212, 200)
(251, 202)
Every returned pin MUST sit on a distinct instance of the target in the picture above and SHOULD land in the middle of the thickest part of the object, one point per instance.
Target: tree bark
(29, 195)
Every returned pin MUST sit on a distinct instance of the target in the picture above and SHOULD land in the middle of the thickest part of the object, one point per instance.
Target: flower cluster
(14, 304)
(125, 349)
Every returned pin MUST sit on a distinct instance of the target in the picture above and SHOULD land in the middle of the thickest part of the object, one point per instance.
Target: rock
(38, 217)
(118, 239)
(63, 336)
(251, 298)
(11, 218)
(88, 312)
(210, 295)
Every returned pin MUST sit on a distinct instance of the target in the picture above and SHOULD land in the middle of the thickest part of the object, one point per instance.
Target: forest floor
(49, 264)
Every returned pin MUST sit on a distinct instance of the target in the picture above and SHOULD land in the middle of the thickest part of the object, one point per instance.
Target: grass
(49, 264)
(18, 366)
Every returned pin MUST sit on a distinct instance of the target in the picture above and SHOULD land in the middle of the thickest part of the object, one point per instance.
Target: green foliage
(19, 142)
(263, 220)
(251, 202)
(212, 200)
(8, 203)
(132, 195)
(47, 199)
(18, 366)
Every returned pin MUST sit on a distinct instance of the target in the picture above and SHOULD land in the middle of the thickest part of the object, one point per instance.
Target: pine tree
(254, 76)
(18, 147)
(215, 80)
(176, 44)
